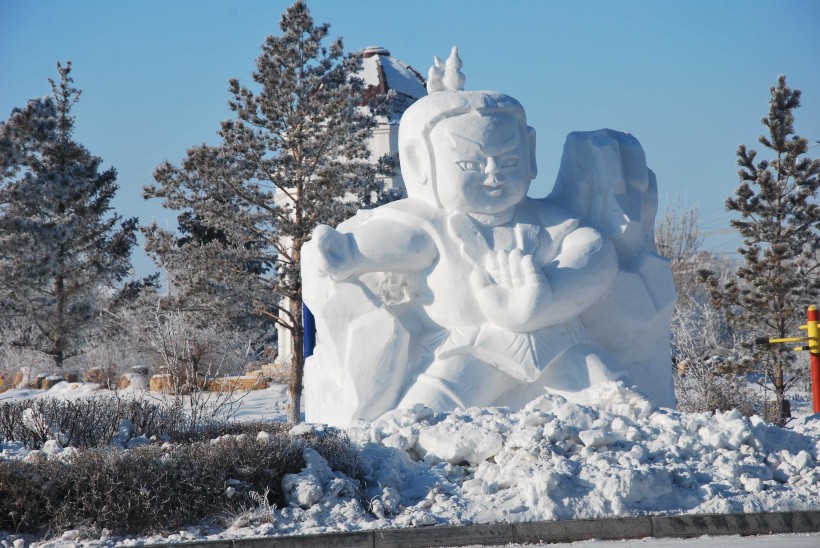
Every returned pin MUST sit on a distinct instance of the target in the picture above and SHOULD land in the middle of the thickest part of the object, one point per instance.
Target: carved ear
(414, 166)
(531, 139)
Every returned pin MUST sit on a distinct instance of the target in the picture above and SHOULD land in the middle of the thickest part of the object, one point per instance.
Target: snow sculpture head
(466, 151)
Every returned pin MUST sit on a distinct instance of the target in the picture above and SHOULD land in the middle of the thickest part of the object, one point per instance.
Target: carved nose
(492, 167)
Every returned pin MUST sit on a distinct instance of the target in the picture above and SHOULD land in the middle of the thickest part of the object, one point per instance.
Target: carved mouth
(494, 189)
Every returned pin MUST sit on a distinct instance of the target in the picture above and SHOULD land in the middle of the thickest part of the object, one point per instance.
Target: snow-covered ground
(550, 460)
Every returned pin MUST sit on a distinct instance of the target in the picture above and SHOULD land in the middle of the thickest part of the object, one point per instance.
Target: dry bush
(335, 447)
(94, 422)
(708, 354)
(91, 422)
(193, 352)
(158, 488)
(278, 372)
(25, 494)
(701, 389)
(142, 490)
(678, 239)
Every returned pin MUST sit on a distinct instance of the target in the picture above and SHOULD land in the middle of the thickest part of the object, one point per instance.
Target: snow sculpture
(470, 293)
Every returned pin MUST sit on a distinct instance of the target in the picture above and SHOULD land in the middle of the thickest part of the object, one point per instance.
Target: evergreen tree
(780, 225)
(294, 155)
(60, 245)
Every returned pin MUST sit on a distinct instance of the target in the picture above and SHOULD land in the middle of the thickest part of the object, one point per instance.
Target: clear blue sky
(689, 79)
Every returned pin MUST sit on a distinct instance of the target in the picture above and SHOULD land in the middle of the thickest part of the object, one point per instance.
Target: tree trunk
(58, 345)
(779, 391)
(297, 367)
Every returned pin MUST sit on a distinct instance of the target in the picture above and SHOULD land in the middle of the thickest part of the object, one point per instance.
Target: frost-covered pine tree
(294, 155)
(60, 243)
(780, 225)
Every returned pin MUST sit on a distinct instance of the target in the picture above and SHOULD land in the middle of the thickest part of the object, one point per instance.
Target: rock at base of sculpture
(468, 292)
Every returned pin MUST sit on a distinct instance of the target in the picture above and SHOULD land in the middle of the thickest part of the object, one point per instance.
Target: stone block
(251, 381)
(50, 381)
(38, 380)
(133, 382)
(105, 377)
(489, 534)
(160, 383)
(805, 522)
(582, 529)
(722, 524)
(198, 544)
(140, 370)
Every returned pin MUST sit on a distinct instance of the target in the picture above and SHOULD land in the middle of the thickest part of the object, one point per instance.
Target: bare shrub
(26, 494)
(335, 447)
(707, 352)
(701, 388)
(158, 488)
(192, 352)
(92, 422)
(279, 372)
(678, 239)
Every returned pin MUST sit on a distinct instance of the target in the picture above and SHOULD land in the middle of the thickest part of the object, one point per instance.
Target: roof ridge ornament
(446, 76)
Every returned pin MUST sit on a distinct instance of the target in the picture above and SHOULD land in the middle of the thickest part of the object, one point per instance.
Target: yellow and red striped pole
(813, 334)
(813, 339)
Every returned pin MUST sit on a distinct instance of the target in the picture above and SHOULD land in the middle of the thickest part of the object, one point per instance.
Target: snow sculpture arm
(582, 272)
(377, 245)
(354, 284)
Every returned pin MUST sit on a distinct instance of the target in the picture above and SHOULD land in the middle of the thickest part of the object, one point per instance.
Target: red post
(814, 352)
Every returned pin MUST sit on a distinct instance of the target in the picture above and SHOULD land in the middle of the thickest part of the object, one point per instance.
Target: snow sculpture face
(482, 163)
(442, 133)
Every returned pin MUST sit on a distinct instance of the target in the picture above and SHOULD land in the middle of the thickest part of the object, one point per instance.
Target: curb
(681, 526)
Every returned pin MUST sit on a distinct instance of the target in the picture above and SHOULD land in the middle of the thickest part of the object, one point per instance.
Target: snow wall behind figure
(604, 179)
(469, 293)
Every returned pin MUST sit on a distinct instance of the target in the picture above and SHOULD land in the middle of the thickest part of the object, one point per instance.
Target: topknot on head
(446, 76)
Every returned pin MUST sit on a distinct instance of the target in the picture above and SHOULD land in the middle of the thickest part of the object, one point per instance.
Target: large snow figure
(470, 293)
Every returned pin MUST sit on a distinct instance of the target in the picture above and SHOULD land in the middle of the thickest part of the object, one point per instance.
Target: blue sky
(689, 79)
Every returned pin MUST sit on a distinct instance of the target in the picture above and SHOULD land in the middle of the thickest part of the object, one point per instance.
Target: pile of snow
(557, 460)
(550, 460)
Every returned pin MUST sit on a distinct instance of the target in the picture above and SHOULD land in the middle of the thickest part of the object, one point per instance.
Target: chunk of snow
(457, 442)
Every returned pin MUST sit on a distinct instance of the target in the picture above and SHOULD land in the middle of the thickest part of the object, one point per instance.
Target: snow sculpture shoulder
(470, 293)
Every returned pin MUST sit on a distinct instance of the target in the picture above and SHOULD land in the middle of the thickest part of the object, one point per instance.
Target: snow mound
(560, 460)
(555, 460)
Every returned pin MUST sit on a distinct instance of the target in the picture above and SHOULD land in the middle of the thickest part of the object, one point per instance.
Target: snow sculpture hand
(511, 289)
(336, 253)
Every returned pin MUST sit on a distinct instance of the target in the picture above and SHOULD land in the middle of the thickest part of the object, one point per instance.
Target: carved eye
(469, 165)
(510, 161)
